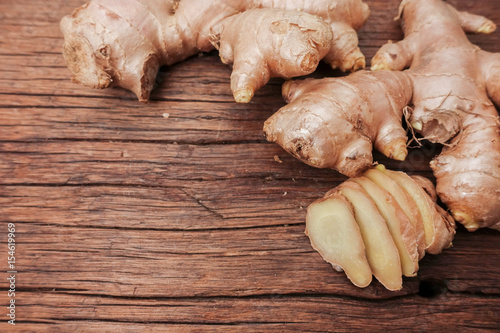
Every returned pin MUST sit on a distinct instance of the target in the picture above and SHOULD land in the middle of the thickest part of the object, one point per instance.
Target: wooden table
(178, 216)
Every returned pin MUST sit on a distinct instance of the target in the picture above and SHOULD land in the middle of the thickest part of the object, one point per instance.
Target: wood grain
(175, 215)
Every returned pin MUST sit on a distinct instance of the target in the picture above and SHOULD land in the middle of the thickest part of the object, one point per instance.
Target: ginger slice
(400, 227)
(404, 200)
(381, 252)
(334, 233)
(426, 184)
(444, 230)
(438, 225)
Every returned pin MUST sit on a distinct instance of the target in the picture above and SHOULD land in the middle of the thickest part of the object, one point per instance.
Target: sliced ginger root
(404, 200)
(333, 232)
(402, 231)
(382, 233)
(439, 229)
(381, 252)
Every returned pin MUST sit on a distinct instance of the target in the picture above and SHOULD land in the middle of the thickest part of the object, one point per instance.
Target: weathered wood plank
(197, 123)
(208, 205)
(213, 117)
(160, 164)
(148, 164)
(210, 83)
(131, 221)
(110, 260)
(184, 263)
(270, 313)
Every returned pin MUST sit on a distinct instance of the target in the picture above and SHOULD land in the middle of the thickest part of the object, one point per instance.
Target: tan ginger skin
(124, 43)
(452, 83)
(335, 122)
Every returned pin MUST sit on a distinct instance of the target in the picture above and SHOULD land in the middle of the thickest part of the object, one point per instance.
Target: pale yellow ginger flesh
(439, 229)
(404, 200)
(389, 239)
(381, 252)
(402, 231)
(123, 43)
(334, 233)
(425, 183)
(455, 84)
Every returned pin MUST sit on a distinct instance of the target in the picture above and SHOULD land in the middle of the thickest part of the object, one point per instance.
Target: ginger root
(124, 43)
(360, 222)
(281, 47)
(450, 86)
(335, 122)
(454, 83)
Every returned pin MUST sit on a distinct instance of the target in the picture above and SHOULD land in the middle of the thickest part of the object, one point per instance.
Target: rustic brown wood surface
(131, 221)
